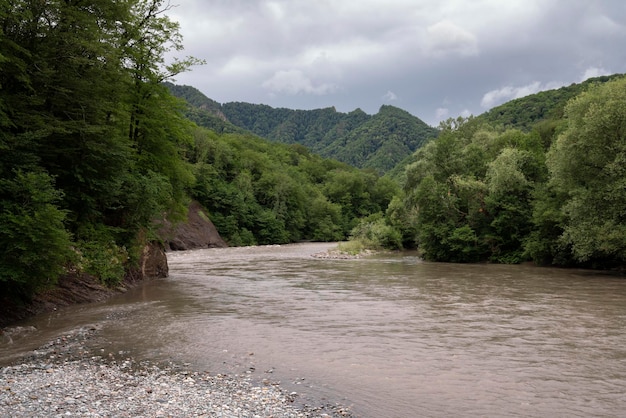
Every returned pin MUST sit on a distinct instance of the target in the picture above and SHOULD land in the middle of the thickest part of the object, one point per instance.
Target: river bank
(76, 287)
(69, 377)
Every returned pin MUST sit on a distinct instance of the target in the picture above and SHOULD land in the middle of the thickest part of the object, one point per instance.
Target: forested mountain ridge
(542, 112)
(202, 110)
(382, 141)
(525, 112)
(364, 141)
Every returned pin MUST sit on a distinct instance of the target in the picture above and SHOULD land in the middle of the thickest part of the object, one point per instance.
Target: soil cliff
(197, 232)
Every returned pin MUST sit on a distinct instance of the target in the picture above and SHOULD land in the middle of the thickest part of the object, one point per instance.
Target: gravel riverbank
(65, 377)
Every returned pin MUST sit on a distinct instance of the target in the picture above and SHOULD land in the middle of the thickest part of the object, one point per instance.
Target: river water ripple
(389, 335)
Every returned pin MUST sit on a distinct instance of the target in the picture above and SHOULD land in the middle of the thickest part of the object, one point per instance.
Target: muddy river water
(388, 335)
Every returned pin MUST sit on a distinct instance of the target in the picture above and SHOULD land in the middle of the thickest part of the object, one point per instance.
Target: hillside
(378, 142)
(385, 141)
(382, 141)
(525, 112)
(202, 110)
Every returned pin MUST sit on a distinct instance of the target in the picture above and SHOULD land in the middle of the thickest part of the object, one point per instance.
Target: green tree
(471, 190)
(34, 245)
(88, 131)
(324, 219)
(509, 204)
(588, 164)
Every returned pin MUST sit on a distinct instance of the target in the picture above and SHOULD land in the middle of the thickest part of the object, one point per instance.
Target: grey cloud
(294, 82)
(445, 37)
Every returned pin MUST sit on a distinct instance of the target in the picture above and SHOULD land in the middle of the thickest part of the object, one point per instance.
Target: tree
(90, 143)
(34, 244)
(472, 190)
(509, 204)
(588, 165)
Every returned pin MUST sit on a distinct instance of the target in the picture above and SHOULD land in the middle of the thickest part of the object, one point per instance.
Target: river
(388, 335)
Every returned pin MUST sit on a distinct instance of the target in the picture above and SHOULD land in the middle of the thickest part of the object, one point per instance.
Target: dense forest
(378, 142)
(258, 192)
(96, 151)
(555, 196)
(92, 145)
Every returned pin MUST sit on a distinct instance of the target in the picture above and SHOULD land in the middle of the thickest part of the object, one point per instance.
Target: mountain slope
(525, 112)
(382, 141)
(378, 142)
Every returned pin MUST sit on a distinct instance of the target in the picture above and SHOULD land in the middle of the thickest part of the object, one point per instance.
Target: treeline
(546, 106)
(555, 194)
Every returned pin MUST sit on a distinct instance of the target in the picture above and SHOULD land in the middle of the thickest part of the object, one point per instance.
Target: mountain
(525, 112)
(382, 141)
(202, 110)
(378, 142)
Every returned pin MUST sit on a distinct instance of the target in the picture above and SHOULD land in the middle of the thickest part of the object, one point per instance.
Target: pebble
(60, 380)
(335, 254)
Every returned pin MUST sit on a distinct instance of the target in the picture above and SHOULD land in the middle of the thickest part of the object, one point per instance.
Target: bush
(100, 256)
(353, 247)
(376, 234)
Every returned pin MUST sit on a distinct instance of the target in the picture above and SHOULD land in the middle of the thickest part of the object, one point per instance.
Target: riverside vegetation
(95, 150)
(536, 179)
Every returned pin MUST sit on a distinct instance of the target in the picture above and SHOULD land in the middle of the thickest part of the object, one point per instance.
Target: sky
(433, 58)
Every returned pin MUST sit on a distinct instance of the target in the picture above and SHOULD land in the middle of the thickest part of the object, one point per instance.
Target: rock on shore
(196, 232)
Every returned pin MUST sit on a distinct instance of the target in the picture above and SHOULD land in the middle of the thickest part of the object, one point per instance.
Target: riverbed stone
(76, 383)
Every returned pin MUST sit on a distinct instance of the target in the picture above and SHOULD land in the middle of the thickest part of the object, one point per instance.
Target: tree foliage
(91, 142)
(258, 192)
(588, 166)
(34, 245)
(553, 195)
(379, 142)
(471, 189)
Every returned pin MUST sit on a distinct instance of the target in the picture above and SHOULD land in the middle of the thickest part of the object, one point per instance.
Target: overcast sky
(433, 58)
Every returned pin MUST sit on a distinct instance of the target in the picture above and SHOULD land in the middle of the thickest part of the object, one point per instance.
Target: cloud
(466, 113)
(276, 10)
(594, 72)
(390, 96)
(294, 82)
(446, 38)
(602, 26)
(504, 94)
(442, 113)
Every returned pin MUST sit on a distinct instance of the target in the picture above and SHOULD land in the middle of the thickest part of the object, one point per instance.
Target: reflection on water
(389, 334)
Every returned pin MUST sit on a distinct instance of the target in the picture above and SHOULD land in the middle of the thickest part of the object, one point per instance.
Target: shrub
(376, 234)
